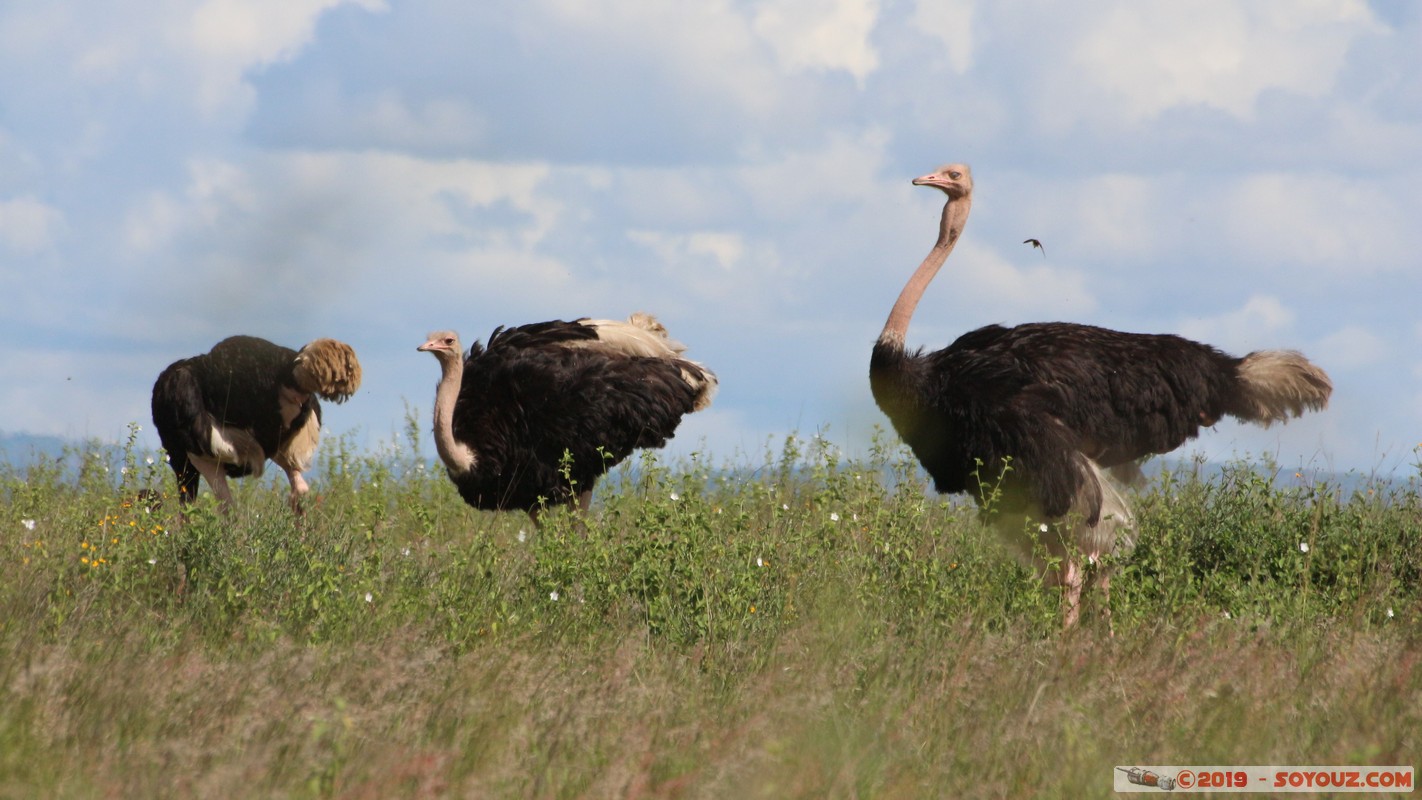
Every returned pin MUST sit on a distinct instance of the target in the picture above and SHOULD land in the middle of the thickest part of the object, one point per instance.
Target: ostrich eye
(955, 175)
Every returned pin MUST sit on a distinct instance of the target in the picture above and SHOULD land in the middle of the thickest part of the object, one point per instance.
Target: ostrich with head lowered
(224, 413)
(1033, 414)
(534, 418)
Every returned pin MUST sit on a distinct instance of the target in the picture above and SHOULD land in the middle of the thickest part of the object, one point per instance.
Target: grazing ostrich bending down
(1047, 406)
(224, 413)
(505, 416)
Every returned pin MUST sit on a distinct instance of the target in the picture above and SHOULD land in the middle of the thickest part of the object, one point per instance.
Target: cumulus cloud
(376, 169)
(1149, 57)
(27, 225)
(950, 22)
(1253, 326)
(715, 268)
(1351, 347)
(1018, 293)
(820, 34)
(302, 234)
(1331, 223)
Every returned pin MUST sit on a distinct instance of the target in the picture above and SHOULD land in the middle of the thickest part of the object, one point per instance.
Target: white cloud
(1150, 57)
(821, 34)
(1018, 294)
(304, 234)
(716, 268)
(1343, 225)
(419, 125)
(802, 185)
(950, 22)
(226, 38)
(1351, 347)
(28, 226)
(1253, 326)
(1109, 217)
(708, 48)
(739, 167)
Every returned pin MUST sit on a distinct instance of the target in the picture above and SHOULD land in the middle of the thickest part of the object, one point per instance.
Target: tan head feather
(328, 368)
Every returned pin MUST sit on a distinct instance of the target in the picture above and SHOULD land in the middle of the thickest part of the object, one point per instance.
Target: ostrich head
(444, 345)
(328, 368)
(956, 180)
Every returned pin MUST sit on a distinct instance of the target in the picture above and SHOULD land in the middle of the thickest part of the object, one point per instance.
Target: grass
(802, 627)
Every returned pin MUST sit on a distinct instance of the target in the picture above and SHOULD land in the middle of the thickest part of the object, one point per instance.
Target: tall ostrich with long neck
(1027, 418)
(537, 416)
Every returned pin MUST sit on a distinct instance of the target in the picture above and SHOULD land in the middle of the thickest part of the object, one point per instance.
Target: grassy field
(799, 627)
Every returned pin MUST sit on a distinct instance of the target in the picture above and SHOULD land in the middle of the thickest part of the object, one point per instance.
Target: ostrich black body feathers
(548, 409)
(224, 413)
(1041, 397)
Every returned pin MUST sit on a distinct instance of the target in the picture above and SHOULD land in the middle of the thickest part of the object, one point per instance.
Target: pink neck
(456, 455)
(955, 215)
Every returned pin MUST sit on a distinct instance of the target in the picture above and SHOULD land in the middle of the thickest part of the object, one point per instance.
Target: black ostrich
(1036, 412)
(537, 416)
(224, 413)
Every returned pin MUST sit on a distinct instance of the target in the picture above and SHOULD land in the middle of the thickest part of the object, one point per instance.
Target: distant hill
(19, 449)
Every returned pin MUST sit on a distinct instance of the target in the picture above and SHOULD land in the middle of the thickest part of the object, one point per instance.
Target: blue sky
(175, 172)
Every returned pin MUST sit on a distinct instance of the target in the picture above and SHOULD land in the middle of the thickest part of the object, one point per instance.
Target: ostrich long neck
(456, 455)
(955, 215)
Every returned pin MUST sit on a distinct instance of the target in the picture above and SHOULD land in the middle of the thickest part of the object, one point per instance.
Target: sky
(173, 172)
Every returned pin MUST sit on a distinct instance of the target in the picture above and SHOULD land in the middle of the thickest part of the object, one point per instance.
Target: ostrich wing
(1046, 400)
(1124, 395)
(241, 378)
(980, 423)
(533, 395)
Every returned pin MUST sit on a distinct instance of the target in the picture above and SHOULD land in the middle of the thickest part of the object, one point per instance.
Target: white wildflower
(1227, 615)
(1389, 612)
(759, 562)
(1303, 547)
(404, 551)
(784, 507)
(834, 517)
(152, 561)
(522, 535)
(675, 497)
(553, 595)
(1043, 528)
(149, 460)
(28, 523)
(369, 597)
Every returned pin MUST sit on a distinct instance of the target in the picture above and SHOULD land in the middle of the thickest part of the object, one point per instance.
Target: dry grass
(894, 649)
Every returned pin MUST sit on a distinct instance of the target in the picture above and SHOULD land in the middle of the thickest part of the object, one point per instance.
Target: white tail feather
(645, 336)
(236, 446)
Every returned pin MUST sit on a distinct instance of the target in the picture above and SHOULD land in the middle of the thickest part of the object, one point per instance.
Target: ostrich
(1027, 418)
(595, 390)
(224, 413)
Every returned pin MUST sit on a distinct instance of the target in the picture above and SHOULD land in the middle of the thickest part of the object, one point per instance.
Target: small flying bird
(1037, 245)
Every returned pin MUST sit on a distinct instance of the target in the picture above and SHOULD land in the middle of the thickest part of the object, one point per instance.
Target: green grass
(803, 627)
